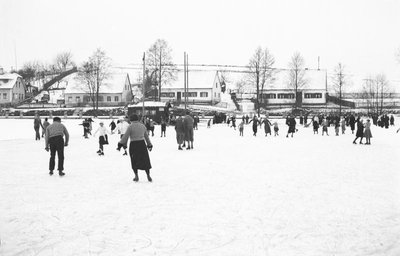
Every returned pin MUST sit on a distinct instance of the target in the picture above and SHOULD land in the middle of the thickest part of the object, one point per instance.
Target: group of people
(57, 136)
(184, 127)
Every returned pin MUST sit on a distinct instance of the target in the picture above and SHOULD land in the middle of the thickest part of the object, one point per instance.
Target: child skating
(103, 139)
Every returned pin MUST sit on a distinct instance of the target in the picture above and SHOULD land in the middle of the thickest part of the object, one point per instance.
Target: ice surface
(307, 195)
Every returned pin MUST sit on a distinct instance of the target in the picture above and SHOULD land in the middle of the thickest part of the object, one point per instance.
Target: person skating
(391, 120)
(256, 122)
(315, 125)
(267, 126)
(233, 122)
(291, 122)
(241, 128)
(325, 125)
(188, 128)
(112, 126)
(209, 123)
(360, 131)
(337, 127)
(352, 122)
(122, 127)
(180, 131)
(367, 132)
(343, 125)
(139, 146)
(54, 142)
(103, 139)
(163, 127)
(196, 121)
(276, 128)
(45, 125)
(37, 123)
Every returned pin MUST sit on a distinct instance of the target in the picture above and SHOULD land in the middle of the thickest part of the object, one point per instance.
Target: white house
(115, 91)
(12, 88)
(204, 87)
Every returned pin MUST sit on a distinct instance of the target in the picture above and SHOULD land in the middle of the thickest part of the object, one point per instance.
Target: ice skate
(51, 173)
(61, 173)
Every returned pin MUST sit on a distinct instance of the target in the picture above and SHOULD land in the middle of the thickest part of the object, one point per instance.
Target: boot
(148, 176)
(136, 179)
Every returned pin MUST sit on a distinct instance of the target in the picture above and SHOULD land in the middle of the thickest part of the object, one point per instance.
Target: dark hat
(57, 119)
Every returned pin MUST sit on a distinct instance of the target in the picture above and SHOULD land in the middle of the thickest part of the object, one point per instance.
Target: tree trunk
(258, 92)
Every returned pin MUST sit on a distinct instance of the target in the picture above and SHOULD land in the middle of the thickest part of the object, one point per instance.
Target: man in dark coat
(291, 122)
(352, 122)
(180, 131)
(360, 131)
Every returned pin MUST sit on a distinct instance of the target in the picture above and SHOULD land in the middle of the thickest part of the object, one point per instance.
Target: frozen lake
(307, 195)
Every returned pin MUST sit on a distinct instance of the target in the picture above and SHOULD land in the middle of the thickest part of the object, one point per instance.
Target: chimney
(1, 71)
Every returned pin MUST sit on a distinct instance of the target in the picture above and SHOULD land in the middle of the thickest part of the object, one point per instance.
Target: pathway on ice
(231, 195)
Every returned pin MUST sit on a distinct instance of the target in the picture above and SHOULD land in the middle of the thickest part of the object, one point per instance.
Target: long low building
(115, 91)
(278, 92)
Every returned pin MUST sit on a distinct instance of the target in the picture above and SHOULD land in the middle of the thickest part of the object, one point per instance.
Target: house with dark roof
(12, 88)
(115, 91)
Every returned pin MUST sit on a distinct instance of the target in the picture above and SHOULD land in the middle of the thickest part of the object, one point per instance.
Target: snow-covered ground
(307, 195)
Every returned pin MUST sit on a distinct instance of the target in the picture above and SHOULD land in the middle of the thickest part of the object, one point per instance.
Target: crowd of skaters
(138, 130)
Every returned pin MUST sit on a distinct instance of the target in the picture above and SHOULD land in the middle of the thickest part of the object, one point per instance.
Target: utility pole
(144, 82)
(159, 78)
(184, 78)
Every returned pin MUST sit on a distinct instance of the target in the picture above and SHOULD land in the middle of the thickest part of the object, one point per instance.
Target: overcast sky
(361, 34)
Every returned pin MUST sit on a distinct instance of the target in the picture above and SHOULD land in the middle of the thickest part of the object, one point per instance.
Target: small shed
(155, 110)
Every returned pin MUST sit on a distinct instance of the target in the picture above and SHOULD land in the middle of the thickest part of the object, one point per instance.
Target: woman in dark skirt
(138, 147)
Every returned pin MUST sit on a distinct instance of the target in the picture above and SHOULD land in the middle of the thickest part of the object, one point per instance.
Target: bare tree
(87, 77)
(260, 71)
(159, 61)
(63, 61)
(339, 81)
(94, 72)
(382, 85)
(376, 91)
(297, 75)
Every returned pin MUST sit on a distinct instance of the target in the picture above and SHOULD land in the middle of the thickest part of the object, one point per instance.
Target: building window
(190, 94)
(269, 96)
(116, 98)
(108, 98)
(86, 98)
(216, 85)
(78, 99)
(70, 99)
(4, 96)
(101, 98)
(286, 96)
(168, 94)
(204, 94)
(313, 95)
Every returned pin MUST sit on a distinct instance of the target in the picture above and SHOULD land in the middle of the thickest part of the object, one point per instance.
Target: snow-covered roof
(114, 84)
(197, 80)
(316, 79)
(7, 81)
